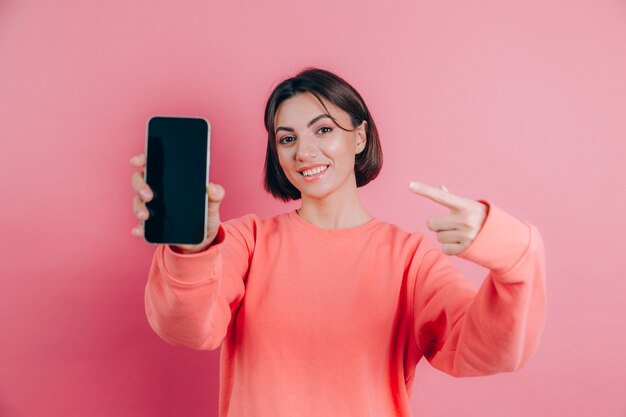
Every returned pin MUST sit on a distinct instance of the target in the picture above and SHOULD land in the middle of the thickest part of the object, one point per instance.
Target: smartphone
(177, 171)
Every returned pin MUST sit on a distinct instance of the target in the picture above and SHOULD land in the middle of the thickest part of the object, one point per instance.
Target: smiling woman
(317, 156)
(326, 310)
(325, 96)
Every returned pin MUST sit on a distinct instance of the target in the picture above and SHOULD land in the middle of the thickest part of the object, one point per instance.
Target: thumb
(216, 194)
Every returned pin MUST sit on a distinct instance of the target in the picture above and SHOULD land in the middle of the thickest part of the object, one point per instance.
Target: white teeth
(314, 171)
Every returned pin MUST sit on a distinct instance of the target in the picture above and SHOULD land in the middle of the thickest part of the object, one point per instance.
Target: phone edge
(208, 159)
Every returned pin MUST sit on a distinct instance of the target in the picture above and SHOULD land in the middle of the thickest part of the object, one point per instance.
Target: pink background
(521, 103)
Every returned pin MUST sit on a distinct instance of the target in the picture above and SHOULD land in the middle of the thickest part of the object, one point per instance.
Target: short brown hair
(322, 84)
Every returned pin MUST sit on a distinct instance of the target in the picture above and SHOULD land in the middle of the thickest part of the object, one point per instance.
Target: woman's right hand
(143, 194)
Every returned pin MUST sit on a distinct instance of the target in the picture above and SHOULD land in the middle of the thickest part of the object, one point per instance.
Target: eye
(286, 139)
(325, 129)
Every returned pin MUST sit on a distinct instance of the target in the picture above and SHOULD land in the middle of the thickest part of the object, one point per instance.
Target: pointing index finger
(437, 194)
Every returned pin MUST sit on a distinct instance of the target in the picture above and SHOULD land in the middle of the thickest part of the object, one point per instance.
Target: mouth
(312, 174)
(314, 171)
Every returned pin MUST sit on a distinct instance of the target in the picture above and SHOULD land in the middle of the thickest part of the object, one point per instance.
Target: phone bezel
(208, 163)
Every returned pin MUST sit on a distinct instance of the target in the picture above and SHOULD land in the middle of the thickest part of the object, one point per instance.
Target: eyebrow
(289, 129)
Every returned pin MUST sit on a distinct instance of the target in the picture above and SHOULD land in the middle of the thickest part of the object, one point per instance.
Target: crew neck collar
(333, 233)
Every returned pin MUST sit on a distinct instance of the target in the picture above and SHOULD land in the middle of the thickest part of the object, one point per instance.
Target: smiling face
(316, 155)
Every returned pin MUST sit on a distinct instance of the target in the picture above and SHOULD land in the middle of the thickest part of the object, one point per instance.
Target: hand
(457, 230)
(143, 193)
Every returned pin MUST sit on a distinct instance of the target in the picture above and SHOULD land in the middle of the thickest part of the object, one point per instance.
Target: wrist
(190, 250)
(201, 247)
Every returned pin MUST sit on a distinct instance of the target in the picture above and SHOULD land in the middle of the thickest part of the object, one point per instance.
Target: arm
(191, 298)
(465, 332)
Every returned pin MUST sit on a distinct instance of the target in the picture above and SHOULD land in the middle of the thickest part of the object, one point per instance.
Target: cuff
(193, 267)
(501, 241)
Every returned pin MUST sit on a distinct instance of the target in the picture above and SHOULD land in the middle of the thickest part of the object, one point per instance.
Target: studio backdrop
(519, 103)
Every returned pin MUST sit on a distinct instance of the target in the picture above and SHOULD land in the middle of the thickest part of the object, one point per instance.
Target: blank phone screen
(176, 171)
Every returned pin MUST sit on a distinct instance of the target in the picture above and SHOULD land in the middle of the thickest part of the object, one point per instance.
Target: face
(316, 155)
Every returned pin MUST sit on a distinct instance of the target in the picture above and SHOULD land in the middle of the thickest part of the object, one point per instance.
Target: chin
(317, 195)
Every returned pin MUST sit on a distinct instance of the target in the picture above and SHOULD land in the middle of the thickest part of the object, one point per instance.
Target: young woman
(326, 310)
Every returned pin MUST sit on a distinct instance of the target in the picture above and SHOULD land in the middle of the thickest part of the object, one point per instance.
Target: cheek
(342, 149)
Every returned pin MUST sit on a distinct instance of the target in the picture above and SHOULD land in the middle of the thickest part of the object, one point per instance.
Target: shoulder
(410, 243)
(251, 225)
(393, 231)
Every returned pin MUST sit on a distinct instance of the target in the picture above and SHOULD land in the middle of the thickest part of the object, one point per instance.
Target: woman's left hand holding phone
(143, 193)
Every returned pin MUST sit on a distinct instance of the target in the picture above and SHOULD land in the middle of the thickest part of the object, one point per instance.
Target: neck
(334, 211)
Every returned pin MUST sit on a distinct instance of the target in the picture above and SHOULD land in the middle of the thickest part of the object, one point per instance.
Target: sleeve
(463, 331)
(191, 298)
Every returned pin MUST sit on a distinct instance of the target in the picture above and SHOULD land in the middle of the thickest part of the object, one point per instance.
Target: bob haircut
(323, 85)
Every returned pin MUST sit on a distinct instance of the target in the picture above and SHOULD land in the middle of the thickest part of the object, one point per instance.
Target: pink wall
(522, 103)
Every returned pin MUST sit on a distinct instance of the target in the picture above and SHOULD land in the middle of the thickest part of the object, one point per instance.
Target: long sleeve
(190, 299)
(467, 332)
(314, 322)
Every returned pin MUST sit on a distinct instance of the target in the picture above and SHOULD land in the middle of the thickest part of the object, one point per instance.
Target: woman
(326, 310)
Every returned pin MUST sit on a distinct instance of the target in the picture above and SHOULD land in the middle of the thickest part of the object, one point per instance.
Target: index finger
(140, 186)
(438, 195)
(138, 160)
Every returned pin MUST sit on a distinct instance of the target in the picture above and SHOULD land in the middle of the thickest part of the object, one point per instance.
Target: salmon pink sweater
(317, 322)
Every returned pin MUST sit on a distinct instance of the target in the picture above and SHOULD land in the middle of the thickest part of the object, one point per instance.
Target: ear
(361, 138)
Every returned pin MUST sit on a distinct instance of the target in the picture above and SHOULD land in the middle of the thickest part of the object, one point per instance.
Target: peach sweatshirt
(316, 322)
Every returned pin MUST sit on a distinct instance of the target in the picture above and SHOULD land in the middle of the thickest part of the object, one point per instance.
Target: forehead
(302, 108)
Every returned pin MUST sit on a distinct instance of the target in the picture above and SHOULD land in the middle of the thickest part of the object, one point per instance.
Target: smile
(314, 171)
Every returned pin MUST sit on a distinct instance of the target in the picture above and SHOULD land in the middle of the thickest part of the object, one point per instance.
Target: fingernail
(211, 188)
(414, 185)
(144, 193)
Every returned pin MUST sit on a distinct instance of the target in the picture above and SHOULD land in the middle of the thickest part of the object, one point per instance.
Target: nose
(305, 148)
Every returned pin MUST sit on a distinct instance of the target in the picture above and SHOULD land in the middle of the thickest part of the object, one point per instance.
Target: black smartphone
(177, 171)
